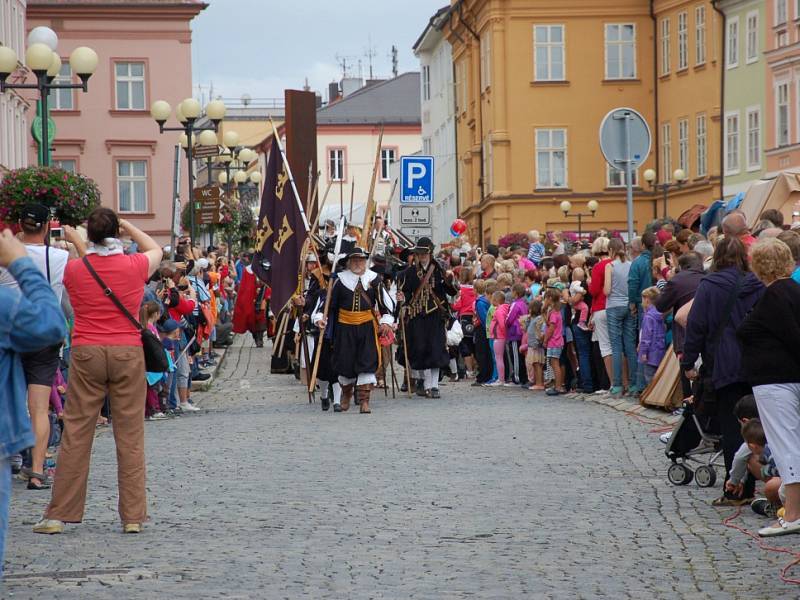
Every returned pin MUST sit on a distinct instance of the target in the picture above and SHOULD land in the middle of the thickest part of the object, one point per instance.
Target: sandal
(44, 482)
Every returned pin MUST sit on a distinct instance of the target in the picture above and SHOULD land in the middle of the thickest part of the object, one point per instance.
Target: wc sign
(416, 179)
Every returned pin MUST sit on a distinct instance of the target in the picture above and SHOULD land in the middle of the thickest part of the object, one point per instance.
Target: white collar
(350, 280)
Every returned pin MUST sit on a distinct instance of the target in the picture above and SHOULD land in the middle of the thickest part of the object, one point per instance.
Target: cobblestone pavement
(483, 494)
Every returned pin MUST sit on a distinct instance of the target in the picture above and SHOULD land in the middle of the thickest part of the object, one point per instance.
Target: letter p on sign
(416, 174)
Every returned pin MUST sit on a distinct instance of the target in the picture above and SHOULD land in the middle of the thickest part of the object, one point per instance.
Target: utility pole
(394, 60)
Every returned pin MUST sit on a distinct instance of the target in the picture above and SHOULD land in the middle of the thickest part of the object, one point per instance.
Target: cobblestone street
(482, 494)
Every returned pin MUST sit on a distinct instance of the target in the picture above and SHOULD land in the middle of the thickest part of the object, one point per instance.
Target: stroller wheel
(705, 476)
(679, 474)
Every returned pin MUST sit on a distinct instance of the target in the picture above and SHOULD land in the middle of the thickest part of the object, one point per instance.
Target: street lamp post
(187, 112)
(679, 177)
(41, 58)
(566, 206)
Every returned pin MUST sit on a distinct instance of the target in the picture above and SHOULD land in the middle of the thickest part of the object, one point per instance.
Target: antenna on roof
(306, 87)
(370, 53)
(394, 60)
(345, 63)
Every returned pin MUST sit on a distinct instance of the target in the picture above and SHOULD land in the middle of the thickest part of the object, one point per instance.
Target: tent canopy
(781, 193)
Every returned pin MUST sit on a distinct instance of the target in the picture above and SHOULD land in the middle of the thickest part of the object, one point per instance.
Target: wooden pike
(369, 210)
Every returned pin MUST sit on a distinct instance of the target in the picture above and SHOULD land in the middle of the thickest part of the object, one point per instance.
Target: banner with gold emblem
(280, 235)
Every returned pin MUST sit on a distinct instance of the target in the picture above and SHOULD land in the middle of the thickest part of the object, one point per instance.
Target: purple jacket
(513, 328)
(652, 339)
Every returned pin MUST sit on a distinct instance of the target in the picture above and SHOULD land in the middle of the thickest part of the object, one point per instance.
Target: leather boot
(363, 392)
(347, 395)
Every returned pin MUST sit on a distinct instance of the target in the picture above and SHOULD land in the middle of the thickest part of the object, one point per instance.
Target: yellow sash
(351, 317)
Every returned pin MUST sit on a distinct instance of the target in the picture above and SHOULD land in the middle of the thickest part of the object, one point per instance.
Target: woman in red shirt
(599, 320)
(106, 360)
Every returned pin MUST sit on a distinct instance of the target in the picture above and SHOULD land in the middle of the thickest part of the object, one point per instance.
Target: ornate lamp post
(679, 177)
(566, 206)
(41, 58)
(187, 112)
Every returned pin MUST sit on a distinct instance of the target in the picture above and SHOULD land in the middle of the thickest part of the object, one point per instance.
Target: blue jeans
(5, 499)
(641, 380)
(583, 345)
(622, 331)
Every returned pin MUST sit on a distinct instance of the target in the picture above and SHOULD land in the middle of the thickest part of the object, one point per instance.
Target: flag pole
(290, 176)
(369, 209)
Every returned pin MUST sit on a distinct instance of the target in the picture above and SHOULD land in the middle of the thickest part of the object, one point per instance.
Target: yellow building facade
(534, 80)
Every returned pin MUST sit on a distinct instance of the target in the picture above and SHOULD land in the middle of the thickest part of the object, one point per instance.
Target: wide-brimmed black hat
(355, 252)
(381, 266)
(424, 246)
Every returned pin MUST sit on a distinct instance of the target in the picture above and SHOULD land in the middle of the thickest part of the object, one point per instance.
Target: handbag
(155, 358)
(704, 393)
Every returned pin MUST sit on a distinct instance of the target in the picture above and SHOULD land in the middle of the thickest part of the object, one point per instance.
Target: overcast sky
(261, 47)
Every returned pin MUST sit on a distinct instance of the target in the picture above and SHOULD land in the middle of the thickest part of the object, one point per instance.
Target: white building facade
(438, 123)
(13, 122)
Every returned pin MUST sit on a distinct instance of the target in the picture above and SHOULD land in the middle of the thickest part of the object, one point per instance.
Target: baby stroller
(692, 441)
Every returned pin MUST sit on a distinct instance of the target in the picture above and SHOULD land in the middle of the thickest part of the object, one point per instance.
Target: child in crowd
(745, 410)
(652, 337)
(535, 356)
(554, 339)
(582, 336)
(532, 283)
(482, 349)
(491, 289)
(149, 314)
(535, 247)
(517, 309)
(504, 283)
(761, 466)
(497, 333)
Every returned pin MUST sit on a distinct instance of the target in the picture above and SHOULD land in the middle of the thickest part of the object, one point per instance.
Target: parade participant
(425, 287)
(314, 303)
(355, 296)
(250, 311)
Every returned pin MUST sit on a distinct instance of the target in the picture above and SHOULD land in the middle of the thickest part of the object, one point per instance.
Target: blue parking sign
(416, 179)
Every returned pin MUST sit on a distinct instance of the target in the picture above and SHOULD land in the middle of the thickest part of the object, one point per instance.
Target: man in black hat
(357, 298)
(425, 287)
(40, 367)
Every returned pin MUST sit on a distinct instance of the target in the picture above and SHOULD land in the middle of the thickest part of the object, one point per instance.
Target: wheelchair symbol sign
(416, 179)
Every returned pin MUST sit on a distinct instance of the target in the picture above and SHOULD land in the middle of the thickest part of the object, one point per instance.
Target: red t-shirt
(98, 322)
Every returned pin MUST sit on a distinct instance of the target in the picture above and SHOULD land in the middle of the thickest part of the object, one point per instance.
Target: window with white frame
(388, 156)
(551, 158)
(62, 99)
(426, 82)
(700, 35)
(701, 134)
(620, 50)
(488, 167)
(548, 52)
(732, 52)
(752, 37)
(753, 138)
(616, 177)
(665, 47)
(486, 60)
(683, 145)
(336, 164)
(132, 185)
(781, 39)
(70, 165)
(782, 114)
(666, 152)
(683, 41)
(732, 142)
(781, 12)
(130, 85)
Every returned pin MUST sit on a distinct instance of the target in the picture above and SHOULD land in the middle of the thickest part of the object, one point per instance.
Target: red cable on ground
(727, 522)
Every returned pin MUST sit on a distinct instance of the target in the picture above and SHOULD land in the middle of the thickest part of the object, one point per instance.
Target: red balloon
(459, 226)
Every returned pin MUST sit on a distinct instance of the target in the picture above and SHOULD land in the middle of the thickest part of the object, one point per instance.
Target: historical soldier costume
(314, 303)
(252, 305)
(359, 309)
(425, 289)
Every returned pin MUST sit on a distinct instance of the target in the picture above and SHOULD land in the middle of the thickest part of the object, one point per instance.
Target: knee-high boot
(363, 392)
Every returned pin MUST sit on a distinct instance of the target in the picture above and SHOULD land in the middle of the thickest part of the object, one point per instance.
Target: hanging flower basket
(70, 196)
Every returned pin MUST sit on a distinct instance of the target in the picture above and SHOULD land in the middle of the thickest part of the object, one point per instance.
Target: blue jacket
(29, 321)
(706, 316)
(640, 277)
(482, 306)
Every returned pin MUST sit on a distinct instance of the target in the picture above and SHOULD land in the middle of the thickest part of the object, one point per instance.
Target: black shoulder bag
(704, 392)
(155, 358)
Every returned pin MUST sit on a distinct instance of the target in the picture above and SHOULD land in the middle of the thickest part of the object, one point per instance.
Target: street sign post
(417, 232)
(416, 180)
(205, 151)
(415, 215)
(206, 205)
(625, 143)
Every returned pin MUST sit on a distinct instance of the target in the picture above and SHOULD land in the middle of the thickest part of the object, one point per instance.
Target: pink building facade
(782, 140)
(108, 134)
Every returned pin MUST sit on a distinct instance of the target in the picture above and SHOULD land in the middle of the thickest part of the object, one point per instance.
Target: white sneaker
(665, 437)
(493, 384)
(780, 528)
(158, 415)
(186, 407)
